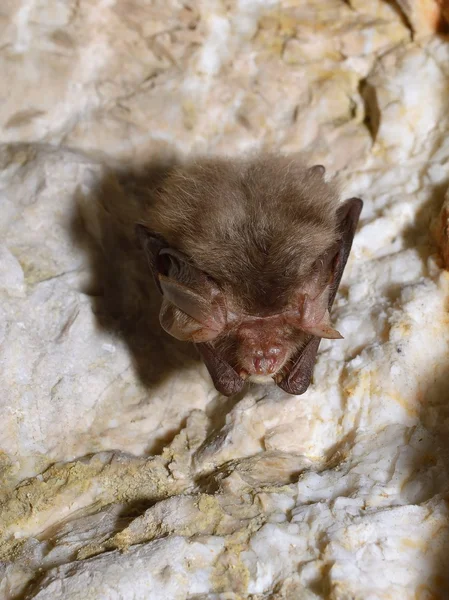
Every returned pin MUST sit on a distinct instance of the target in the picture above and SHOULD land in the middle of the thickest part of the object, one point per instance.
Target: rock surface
(426, 16)
(124, 474)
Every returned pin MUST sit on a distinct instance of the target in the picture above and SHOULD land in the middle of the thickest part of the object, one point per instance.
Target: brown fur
(255, 226)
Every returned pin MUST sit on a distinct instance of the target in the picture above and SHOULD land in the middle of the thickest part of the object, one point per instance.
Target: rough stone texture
(124, 474)
(426, 16)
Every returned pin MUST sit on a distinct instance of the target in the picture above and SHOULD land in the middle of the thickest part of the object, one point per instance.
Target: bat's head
(248, 259)
(263, 347)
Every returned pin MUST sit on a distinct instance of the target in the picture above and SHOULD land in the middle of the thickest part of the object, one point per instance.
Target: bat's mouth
(263, 365)
(295, 372)
(280, 373)
(262, 346)
(229, 380)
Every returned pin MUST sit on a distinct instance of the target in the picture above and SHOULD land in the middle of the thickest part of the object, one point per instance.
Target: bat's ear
(313, 317)
(297, 380)
(193, 307)
(319, 291)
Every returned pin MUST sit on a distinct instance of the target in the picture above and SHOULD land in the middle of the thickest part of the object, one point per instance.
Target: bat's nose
(266, 361)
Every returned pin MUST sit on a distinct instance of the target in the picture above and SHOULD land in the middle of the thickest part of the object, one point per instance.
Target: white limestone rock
(123, 472)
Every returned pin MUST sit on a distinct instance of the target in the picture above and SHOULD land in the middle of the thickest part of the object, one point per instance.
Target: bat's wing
(225, 379)
(298, 378)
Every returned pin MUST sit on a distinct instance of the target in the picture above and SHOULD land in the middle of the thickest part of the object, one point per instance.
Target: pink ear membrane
(188, 315)
(315, 317)
(323, 329)
(182, 327)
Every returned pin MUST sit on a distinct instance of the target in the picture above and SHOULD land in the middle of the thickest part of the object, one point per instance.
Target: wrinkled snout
(261, 348)
(267, 361)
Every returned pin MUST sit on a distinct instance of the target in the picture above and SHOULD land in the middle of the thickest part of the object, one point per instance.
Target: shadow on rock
(126, 302)
(433, 470)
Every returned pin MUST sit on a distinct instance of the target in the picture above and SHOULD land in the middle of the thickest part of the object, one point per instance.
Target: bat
(248, 255)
